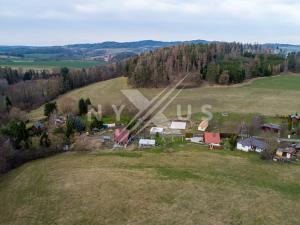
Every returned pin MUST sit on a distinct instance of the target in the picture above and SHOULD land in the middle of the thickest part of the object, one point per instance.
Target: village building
(271, 127)
(251, 144)
(109, 125)
(196, 140)
(286, 153)
(59, 121)
(203, 125)
(144, 143)
(295, 118)
(156, 130)
(213, 140)
(121, 136)
(178, 125)
(297, 147)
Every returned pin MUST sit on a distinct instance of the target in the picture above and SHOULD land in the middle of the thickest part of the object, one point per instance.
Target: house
(203, 125)
(271, 127)
(144, 143)
(177, 125)
(286, 153)
(156, 130)
(251, 144)
(121, 136)
(295, 118)
(212, 138)
(297, 147)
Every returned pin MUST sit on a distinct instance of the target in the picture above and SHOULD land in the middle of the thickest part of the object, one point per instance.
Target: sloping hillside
(277, 95)
(193, 186)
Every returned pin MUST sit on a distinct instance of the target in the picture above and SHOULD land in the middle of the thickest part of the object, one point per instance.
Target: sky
(59, 22)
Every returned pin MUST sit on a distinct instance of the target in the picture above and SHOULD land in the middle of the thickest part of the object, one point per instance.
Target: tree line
(31, 89)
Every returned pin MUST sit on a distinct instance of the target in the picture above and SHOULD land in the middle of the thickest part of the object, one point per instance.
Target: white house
(146, 143)
(251, 144)
(156, 130)
(176, 125)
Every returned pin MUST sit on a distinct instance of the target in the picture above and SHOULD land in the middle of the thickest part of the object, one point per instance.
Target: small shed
(110, 125)
(297, 147)
(287, 153)
(143, 143)
(59, 121)
(178, 125)
(271, 127)
(121, 136)
(196, 140)
(156, 130)
(251, 144)
(203, 125)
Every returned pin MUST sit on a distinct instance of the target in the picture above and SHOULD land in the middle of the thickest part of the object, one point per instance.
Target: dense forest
(222, 63)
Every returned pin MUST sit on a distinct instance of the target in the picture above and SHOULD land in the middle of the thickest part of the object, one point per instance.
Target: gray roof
(297, 146)
(272, 126)
(253, 142)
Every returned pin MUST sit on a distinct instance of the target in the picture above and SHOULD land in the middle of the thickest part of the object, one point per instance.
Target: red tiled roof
(212, 138)
(121, 135)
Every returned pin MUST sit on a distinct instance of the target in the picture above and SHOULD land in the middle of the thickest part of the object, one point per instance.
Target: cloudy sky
(56, 22)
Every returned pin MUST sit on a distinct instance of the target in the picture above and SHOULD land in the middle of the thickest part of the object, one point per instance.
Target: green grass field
(268, 96)
(48, 64)
(190, 185)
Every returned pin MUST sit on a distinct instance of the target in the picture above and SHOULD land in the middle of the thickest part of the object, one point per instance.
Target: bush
(49, 108)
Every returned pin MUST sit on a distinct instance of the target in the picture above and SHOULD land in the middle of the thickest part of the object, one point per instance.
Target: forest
(222, 63)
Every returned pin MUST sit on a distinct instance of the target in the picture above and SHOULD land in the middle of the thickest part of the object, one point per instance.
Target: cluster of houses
(211, 139)
(121, 137)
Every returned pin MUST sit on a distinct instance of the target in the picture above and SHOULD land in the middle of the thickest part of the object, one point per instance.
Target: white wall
(247, 148)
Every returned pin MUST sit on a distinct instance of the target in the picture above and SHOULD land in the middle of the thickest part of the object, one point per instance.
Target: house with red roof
(213, 140)
(121, 136)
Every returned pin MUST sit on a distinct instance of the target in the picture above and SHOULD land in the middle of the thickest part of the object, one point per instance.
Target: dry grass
(193, 186)
(269, 96)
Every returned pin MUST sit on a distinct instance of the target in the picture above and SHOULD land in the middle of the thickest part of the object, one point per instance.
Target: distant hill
(110, 50)
(105, 50)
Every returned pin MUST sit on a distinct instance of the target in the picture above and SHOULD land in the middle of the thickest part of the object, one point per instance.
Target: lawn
(49, 64)
(268, 96)
(283, 83)
(188, 186)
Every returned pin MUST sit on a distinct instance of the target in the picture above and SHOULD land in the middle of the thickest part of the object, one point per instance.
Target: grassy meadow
(189, 185)
(268, 96)
(48, 64)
